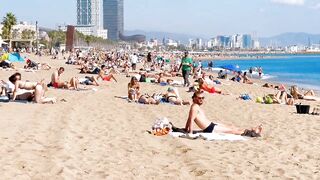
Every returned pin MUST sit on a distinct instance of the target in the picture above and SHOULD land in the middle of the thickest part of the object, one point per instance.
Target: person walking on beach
(260, 71)
(197, 115)
(134, 61)
(186, 65)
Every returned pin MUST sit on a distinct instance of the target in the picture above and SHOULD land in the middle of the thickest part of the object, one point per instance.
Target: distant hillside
(183, 38)
(287, 39)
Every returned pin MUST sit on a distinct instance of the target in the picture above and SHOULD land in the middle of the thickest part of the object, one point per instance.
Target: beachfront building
(152, 43)
(199, 43)
(22, 36)
(113, 18)
(89, 18)
(256, 44)
(236, 41)
(170, 42)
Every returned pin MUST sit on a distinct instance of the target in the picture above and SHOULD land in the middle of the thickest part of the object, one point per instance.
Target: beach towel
(4, 99)
(209, 136)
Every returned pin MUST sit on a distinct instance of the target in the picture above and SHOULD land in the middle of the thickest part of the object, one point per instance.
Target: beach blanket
(209, 136)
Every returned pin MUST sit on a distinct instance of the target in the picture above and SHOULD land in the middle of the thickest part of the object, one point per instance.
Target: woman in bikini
(147, 99)
(172, 96)
(133, 89)
(309, 95)
(38, 88)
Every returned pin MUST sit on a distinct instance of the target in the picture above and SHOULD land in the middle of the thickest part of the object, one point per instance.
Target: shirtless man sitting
(197, 115)
(103, 76)
(57, 83)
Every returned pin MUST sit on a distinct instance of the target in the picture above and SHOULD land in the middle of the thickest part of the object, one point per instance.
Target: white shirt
(134, 59)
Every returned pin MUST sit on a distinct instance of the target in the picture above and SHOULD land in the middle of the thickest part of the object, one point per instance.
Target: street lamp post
(37, 46)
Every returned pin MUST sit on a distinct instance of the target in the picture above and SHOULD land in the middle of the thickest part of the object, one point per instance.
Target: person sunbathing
(146, 99)
(210, 89)
(282, 97)
(309, 95)
(197, 116)
(37, 88)
(237, 78)
(161, 78)
(172, 96)
(36, 66)
(89, 81)
(103, 76)
(57, 83)
(133, 89)
(245, 78)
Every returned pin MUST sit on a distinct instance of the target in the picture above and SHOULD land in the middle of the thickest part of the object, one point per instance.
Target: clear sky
(197, 17)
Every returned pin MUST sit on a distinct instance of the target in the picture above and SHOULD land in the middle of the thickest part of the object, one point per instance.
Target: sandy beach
(94, 135)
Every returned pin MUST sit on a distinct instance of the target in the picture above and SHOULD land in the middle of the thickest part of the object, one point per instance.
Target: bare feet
(258, 129)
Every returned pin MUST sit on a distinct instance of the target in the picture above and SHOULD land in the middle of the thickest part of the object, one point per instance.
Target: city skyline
(203, 18)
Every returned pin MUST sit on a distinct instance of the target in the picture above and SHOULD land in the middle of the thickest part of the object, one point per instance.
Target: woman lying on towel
(308, 95)
(146, 99)
(172, 96)
(210, 89)
(37, 88)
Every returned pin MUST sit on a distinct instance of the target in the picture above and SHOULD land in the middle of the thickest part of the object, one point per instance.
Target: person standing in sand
(57, 83)
(186, 65)
(197, 115)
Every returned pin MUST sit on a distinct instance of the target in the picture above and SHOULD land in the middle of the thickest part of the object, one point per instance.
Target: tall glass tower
(113, 18)
(88, 13)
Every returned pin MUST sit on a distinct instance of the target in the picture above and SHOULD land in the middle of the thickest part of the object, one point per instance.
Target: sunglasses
(202, 98)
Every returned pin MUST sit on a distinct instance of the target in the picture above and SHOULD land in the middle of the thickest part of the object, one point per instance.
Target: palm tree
(8, 22)
(88, 40)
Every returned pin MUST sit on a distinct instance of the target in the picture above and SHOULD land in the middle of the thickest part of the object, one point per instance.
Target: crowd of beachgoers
(160, 68)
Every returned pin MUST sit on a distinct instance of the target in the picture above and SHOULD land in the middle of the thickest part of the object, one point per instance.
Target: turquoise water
(293, 70)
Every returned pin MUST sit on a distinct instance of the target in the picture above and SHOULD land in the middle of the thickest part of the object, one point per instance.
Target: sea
(301, 70)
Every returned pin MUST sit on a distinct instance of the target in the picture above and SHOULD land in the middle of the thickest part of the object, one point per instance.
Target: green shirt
(186, 62)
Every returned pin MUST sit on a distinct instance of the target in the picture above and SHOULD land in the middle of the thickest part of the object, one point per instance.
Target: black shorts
(210, 128)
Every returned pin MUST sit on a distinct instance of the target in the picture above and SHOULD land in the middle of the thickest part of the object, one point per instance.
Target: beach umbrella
(231, 67)
(15, 57)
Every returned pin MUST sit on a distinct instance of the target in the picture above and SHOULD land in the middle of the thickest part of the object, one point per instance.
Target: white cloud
(290, 2)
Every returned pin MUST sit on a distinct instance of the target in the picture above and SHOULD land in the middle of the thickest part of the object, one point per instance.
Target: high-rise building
(247, 41)
(113, 19)
(89, 18)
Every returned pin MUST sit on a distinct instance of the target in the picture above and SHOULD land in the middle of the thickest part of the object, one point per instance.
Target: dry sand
(97, 136)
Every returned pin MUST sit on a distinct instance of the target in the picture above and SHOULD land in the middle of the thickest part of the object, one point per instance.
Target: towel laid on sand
(209, 136)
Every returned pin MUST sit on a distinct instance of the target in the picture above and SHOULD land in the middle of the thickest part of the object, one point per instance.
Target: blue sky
(197, 17)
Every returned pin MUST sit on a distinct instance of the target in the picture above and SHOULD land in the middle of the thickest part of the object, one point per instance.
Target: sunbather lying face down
(197, 115)
(38, 89)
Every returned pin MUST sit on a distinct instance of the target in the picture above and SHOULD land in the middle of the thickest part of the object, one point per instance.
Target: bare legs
(73, 83)
(39, 96)
(220, 128)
